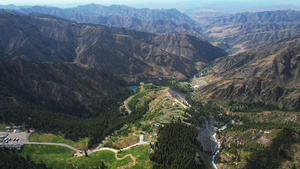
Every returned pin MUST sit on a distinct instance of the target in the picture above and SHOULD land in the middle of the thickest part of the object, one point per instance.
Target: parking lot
(22, 136)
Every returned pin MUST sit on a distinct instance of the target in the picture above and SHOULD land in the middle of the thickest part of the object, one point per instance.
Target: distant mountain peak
(124, 16)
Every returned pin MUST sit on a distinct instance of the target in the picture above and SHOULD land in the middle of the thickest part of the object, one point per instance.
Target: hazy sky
(183, 4)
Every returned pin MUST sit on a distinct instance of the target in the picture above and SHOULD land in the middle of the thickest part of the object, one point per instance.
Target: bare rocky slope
(270, 77)
(195, 49)
(47, 39)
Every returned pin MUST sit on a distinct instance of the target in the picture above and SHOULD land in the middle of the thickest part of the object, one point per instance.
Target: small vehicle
(17, 139)
(14, 139)
(9, 139)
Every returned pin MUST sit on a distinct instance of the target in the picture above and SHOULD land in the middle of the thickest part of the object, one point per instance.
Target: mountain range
(150, 20)
(48, 39)
(136, 55)
(245, 31)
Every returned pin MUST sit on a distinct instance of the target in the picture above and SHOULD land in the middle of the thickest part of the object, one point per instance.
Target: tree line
(12, 159)
(176, 147)
(71, 126)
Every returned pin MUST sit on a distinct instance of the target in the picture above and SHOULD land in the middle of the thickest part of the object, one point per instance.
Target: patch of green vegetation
(52, 156)
(273, 155)
(184, 87)
(97, 159)
(142, 156)
(209, 108)
(124, 131)
(151, 87)
(254, 123)
(251, 106)
(139, 104)
(264, 138)
(2, 127)
(52, 138)
(133, 101)
(109, 143)
(61, 157)
(151, 116)
(123, 138)
(147, 127)
(13, 159)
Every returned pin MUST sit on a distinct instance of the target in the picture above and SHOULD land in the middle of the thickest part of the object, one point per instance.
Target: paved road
(55, 144)
(137, 144)
(23, 139)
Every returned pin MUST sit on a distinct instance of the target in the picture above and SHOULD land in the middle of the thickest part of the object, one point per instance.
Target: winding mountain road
(168, 110)
(126, 105)
(165, 99)
(141, 142)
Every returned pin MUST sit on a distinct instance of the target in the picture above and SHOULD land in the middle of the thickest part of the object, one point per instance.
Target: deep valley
(98, 86)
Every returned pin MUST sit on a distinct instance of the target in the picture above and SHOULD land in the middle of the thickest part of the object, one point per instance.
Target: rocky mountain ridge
(44, 39)
(260, 76)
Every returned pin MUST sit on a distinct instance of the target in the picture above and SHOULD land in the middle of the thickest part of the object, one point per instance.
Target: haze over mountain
(244, 31)
(230, 6)
(156, 21)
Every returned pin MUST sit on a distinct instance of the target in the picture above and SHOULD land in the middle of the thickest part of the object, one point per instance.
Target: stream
(219, 143)
(218, 147)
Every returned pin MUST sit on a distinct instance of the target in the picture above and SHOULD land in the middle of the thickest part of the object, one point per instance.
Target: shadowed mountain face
(36, 68)
(259, 75)
(244, 31)
(71, 88)
(156, 21)
(55, 40)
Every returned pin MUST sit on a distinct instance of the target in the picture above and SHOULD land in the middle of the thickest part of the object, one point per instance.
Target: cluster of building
(6, 142)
